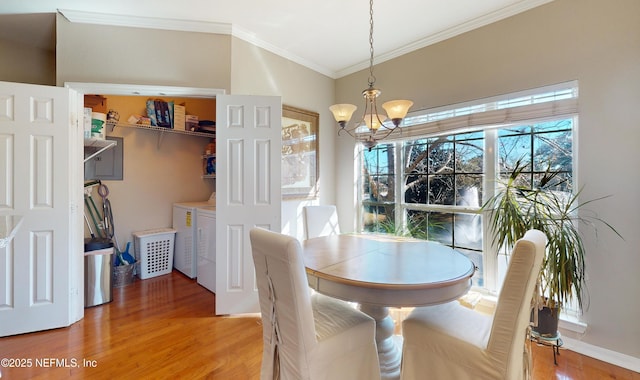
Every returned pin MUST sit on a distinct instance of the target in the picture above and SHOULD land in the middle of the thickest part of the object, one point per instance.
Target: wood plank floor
(164, 328)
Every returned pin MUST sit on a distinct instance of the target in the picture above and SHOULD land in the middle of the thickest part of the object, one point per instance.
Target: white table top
(386, 270)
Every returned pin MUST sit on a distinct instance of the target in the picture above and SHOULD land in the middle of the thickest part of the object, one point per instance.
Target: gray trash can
(98, 272)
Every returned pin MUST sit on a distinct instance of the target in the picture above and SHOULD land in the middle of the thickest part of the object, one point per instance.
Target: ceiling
(329, 36)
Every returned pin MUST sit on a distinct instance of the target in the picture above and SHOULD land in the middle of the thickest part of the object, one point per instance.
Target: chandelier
(373, 126)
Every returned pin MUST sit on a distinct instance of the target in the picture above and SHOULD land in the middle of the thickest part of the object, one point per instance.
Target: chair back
(513, 311)
(285, 304)
(320, 221)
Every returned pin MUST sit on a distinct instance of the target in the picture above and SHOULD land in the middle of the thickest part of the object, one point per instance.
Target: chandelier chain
(372, 127)
(372, 78)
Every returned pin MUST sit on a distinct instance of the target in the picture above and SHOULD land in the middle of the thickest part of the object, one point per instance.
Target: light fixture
(373, 126)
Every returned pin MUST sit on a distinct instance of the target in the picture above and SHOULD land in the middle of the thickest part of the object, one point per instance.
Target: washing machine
(206, 243)
(185, 257)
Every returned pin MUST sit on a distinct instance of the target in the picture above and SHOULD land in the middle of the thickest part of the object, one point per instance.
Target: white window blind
(536, 104)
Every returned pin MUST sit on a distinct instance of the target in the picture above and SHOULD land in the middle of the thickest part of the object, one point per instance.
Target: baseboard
(621, 360)
(573, 324)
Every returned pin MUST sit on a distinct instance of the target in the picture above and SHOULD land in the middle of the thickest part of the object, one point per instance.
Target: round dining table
(383, 271)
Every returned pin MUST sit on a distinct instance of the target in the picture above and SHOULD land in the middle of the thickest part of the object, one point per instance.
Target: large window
(433, 186)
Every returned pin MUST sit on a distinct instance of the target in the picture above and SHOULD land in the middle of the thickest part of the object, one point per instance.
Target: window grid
(452, 218)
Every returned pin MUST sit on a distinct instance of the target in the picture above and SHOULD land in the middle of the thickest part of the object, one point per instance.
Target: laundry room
(170, 166)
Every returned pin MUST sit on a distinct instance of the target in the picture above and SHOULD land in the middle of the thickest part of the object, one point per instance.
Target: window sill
(567, 321)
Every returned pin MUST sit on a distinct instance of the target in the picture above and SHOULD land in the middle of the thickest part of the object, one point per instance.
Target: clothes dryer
(185, 257)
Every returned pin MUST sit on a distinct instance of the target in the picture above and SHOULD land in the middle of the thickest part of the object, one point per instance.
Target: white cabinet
(206, 242)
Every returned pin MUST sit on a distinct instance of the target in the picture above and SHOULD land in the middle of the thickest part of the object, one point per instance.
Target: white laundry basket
(154, 252)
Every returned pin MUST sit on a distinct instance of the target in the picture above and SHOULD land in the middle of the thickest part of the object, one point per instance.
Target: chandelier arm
(375, 112)
(355, 136)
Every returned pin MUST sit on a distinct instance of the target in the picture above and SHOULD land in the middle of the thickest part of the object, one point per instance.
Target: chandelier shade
(373, 122)
(342, 113)
(396, 109)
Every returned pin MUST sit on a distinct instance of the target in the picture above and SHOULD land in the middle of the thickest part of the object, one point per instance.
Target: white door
(41, 175)
(248, 133)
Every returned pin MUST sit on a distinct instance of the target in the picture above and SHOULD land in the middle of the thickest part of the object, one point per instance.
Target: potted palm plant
(516, 208)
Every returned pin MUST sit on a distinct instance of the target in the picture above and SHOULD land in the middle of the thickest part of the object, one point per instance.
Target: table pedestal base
(389, 348)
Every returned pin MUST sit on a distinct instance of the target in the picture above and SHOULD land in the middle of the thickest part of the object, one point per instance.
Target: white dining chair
(450, 341)
(320, 221)
(306, 336)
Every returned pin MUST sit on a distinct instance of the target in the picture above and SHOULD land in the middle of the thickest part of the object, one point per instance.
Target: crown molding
(248, 36)
(143, 90)
(188, 26)
(146, 22)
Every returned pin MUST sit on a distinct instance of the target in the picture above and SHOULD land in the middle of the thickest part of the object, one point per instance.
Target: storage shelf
(161, 129)
(94, 147)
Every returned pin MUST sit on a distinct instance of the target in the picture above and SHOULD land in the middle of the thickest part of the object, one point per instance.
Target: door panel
(40, 163)
(41, 191)
(248, 132)
(6, 169)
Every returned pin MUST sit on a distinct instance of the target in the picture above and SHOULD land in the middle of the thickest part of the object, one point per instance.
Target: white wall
(595, 42)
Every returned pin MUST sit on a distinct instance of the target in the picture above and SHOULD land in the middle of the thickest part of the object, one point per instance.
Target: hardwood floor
(164, 328)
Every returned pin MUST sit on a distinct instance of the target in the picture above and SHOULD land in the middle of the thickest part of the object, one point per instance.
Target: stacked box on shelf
(154, 251)
(179, 117)
(191, 122)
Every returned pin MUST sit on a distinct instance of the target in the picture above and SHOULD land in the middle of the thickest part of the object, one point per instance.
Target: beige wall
(593, 41)
(158, 170)
(111, 54)
(258, 72)
(27, 64)
(156, 175)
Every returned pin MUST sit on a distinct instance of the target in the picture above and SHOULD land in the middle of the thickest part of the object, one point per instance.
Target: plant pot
(547, 321)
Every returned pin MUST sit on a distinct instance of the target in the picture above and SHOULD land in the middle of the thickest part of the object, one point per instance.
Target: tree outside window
(443, 180)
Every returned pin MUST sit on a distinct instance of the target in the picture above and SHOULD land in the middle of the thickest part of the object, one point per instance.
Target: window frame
(494, 265)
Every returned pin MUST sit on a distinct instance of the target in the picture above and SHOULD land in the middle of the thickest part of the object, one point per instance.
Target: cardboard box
(179, 120)
(87, 122)
(163, 116)
(191, 122)
(97, 103)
